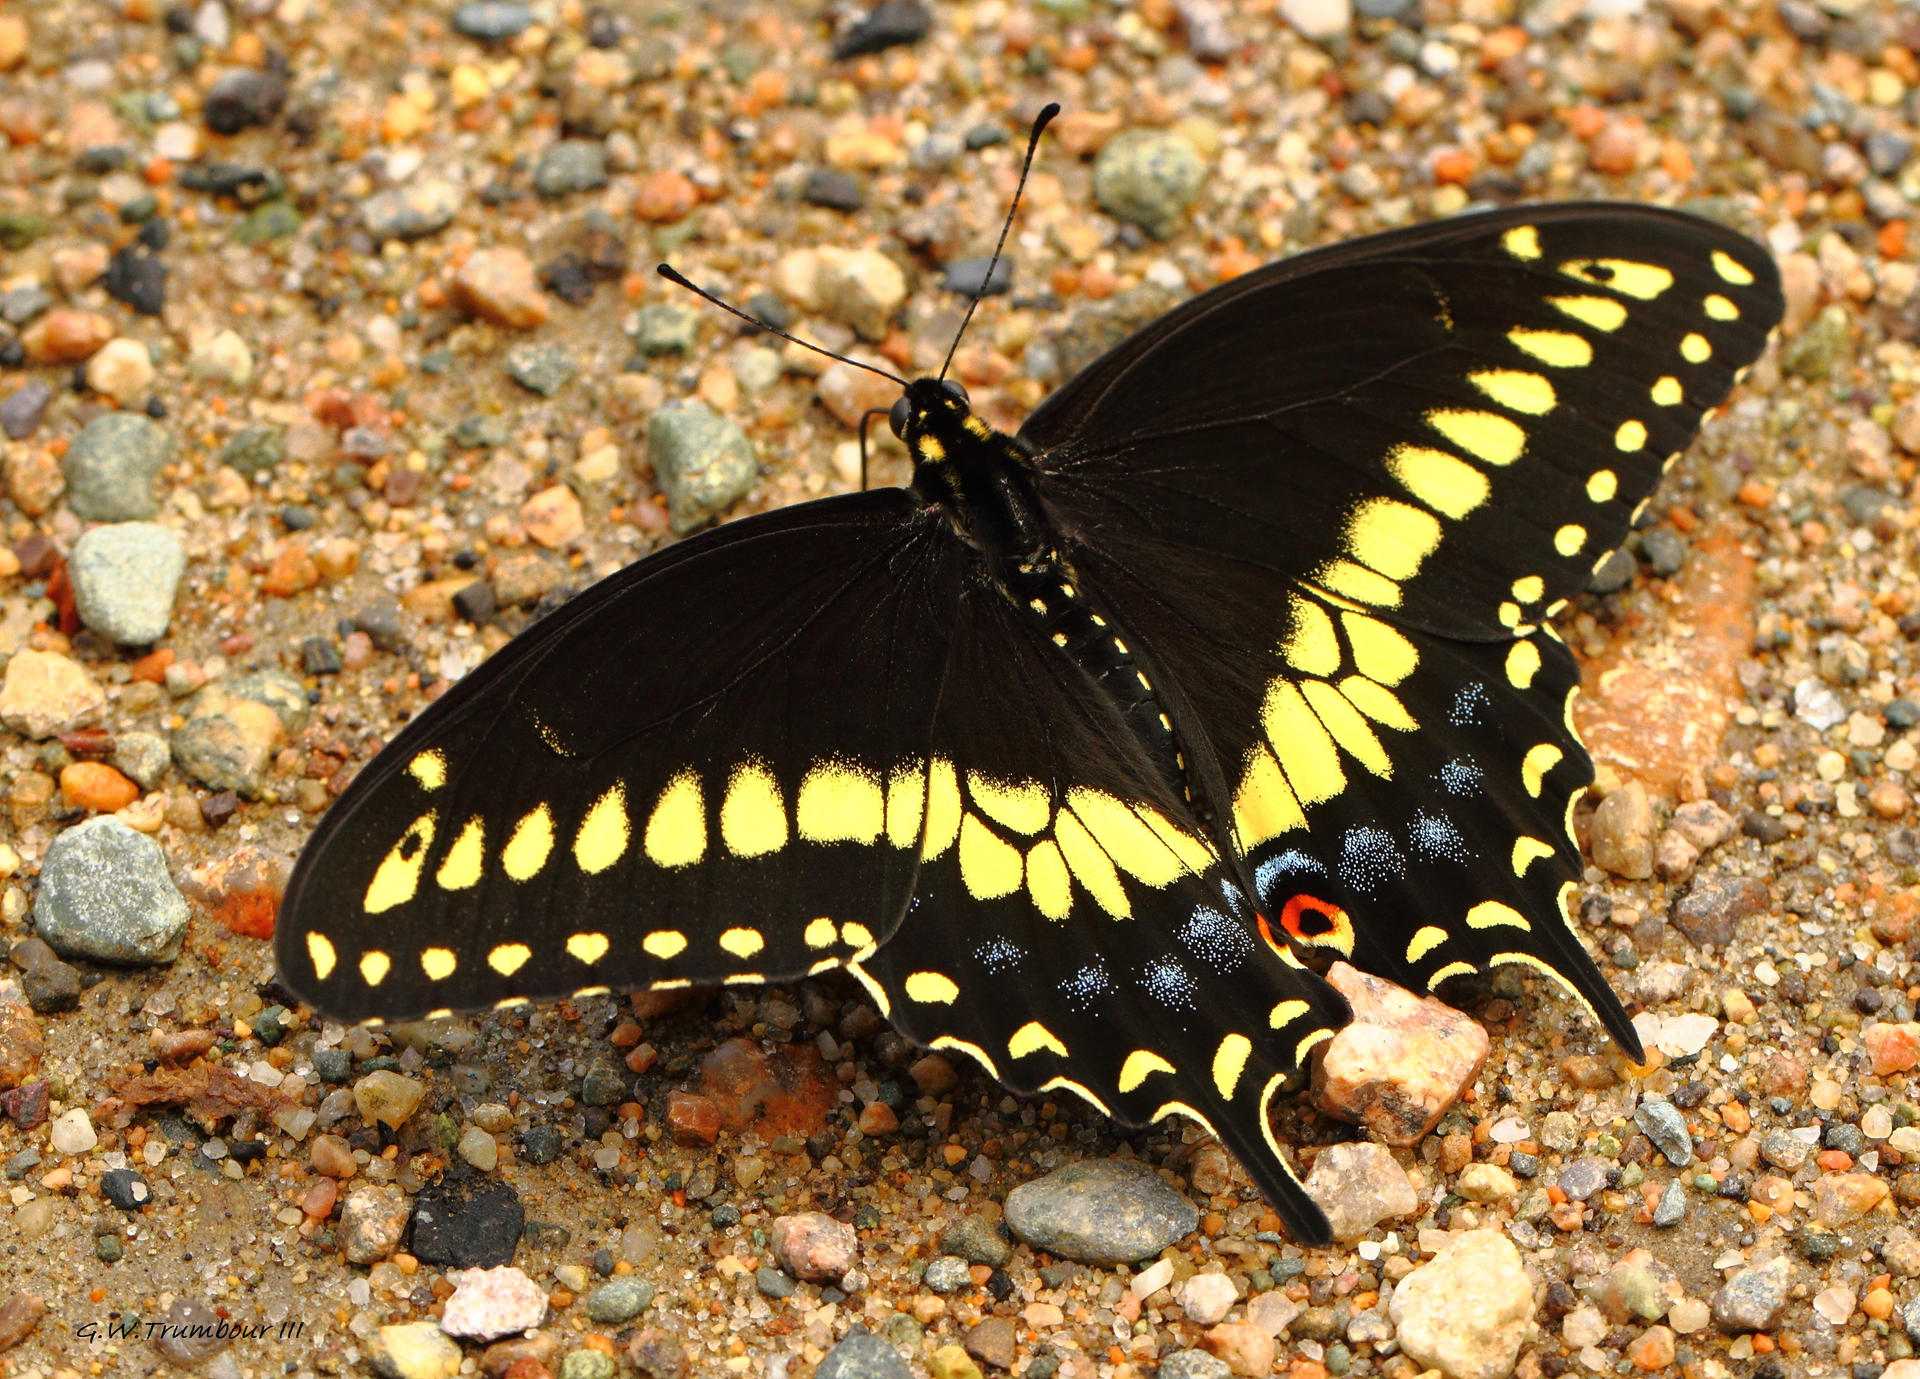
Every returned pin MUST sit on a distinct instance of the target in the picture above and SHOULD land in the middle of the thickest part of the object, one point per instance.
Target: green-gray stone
(703, 461)
(278, 690)
(111, 465)
(18, 229)
(603, 1087)
(1148, 177)
(1814, 351)
(125, 576)
(267, 222)
(256, 450)
(667, 328)
(572, 165)
(106, 895)
(619, 1301)
(588, 1364)
(542, 369)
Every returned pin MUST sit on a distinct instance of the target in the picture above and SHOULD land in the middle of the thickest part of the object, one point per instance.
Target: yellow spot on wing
(1602, 484)
(1392, 537)
(1445, 483)
(1022, 806)
(508, 958)
(1229, 1062)
(374, 966)
(1380, 651)
(931, 988)
(526, 851)
(1523, 242)
(1311, 648)
(429, 768)
(1306, 1046)
(1085, 1093)
(1090, 865)
(1140, 1065)
(1126, 837)
(1491, 913)
(840, 803)
(1630, 438)
(821, 933)
(1539, 760)
(753, 816)
(438, 963)
(1306, 752)
(1047, 880)
(1529, 588)
(1425, 939)
(1452, 969)
(1720, 309)
(398, 875)
(1569, 539)
(1523, 663)
(1195, 854)
(1695, 349)
(973, 1051)
(1643, 280)
(1264, 806)
(1731, 269)
(1377, 702)
(1487, 436)
(461, 866)
(604, 833)
(856, 935)
(1557, 349)
(1286, 1013)
(1348, 728)
(587, 948)
(1516, 390)
(677, 828)
(742, 942)
(320, 953)
(943, 809)
(1667, 392)
(1031, 1038)
(989, 865)
(1527, 851)
(1358, 583)
(664, 944)
(906, 803)
(1602, 313)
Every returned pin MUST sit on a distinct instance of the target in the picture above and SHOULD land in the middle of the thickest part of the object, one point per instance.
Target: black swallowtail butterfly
(1074, 748)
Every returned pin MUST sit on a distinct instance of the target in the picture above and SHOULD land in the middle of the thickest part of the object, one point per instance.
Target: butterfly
(1085, 749)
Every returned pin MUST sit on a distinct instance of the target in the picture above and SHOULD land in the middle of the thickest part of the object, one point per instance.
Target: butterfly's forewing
(708, 767)
(1448, 425)
(1333, 501)
(1073, 930)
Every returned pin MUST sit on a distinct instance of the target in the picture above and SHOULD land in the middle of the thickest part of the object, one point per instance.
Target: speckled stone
(414, 1350)
(1466, 1311)
(619, 1301)
(569, 166)
(1104, 1212)
(1192, 1364)
(946, 1274)
(125, 577)
(1662, 1123)
(977, 1240)
(862, 1355)
(1148, 177)
(1400, 1063)
(1358, 1186)
(812, 1245)
(1754, 1299)
(411, 212)
(490, 1303)
(106, 895)
(373, 1219)
(111, 466)
(703, 461)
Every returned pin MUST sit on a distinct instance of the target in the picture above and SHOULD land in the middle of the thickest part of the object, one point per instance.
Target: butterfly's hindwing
(711, 767)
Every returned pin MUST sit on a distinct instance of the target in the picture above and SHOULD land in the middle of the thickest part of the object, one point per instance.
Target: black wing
(711, 766)
(1331, 502)
(1072, 929)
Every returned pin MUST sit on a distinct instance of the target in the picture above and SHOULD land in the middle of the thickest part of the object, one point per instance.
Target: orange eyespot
(1315, 922)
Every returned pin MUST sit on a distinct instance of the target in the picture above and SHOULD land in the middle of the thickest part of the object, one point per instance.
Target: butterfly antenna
(1040, 123)
(679, 279)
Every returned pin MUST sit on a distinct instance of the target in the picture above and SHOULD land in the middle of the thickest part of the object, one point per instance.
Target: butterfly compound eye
(897, 418)
(954, 390)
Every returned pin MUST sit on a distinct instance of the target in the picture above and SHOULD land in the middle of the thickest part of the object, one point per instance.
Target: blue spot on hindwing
(1369, 859)
(1216, 940)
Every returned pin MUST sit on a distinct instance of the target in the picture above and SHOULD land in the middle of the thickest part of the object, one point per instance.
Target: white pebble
(72, 1133)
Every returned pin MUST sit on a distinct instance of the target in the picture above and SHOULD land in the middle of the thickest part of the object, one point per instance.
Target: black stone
(242, 99)
(12, 355)
(890, 24)
(1764, 827)
(156, 234)
(126, 1189)
(970, 278)
(380, 620)
(248, 185)
(296, 518)
(22, 409)
(569, 278)
(467, 1226)
(541, 1144)
(984, 136)
(51, 987)
(319, 656)
(138, 279)
(217, 808)
(476, 602)
(764, 306)
(1902, 714)
(834, 189)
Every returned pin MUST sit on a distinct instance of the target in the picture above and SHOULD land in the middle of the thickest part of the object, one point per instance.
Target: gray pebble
(1665, 551)
(1148, 177)
(111, 465)
(412, 211)
(278, 690)
(1192, 1364)
(1754, 1299)
(619, 1301)
(1816, 349)
(22, 409)
(493, 20)
(105, 895)
(1582, 1178)
(125, 577)
(976, 1240)
(1910, 1316)
(1711, 910)
(542, 369)
(1106, 1211)
(22, 304)
(947, 1274)
(772, 1283)
(862, 1355)
(256, 450)
(667, 328)
(242, 99)
(1887, 152)
(1672, 1208)
(572, 165)
(1667, 1128)
(703, 461)
(1614, 573)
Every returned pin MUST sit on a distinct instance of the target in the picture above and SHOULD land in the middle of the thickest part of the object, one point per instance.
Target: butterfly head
(931, 415)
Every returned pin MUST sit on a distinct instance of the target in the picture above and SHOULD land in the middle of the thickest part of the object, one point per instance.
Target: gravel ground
(330, 353)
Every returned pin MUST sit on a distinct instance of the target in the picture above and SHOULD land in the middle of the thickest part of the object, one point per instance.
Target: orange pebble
(1834, 1160)
(1754, 494)
(1454, 165)
(97, 786)
(1892, 239)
